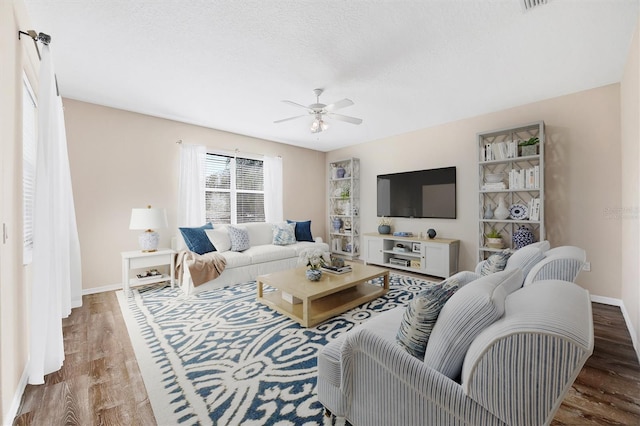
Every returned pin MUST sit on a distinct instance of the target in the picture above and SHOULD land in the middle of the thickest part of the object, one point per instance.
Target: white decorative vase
(501, 212)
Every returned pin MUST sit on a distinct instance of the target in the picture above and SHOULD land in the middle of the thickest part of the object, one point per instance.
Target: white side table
(139, 259)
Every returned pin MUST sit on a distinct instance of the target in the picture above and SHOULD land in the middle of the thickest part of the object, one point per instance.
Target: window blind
(29, 145)
(234, 189)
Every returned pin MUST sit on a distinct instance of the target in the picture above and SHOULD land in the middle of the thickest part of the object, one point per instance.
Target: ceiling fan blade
(296, 104)
(346, 118)
(290, 118)
(340, 104)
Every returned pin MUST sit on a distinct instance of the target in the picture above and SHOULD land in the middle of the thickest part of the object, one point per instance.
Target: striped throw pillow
(421, 315)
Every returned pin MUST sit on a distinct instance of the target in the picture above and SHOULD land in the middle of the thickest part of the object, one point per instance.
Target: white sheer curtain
(191, 202)
(56, 249)
(273, 210)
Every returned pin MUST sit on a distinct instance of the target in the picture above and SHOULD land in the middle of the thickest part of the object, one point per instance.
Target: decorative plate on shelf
(518, 211)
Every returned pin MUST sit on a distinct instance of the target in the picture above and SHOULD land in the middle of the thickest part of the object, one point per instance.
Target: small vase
(384, 229)
(337, 224)
(522, 237)
(340, 172)
(501, 212)
(488, 212)
(313, 274)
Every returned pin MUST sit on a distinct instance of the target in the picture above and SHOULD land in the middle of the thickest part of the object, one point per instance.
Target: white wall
(582, 157)
(630, 171)
(16, 57)
(120, 160)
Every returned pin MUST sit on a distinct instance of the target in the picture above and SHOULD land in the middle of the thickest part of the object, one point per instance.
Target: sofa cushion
(303, 230)
(495, 263)
(469, 311)
(525, 259)
(236, 259)
(421, 314)
(219, 237)
(269, 253)
(260, 233)
(542, 245)
(239, 238)
(196, 239)
(284, 234)
(301, 246)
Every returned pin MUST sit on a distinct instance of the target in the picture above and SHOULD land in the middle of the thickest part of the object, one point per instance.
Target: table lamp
(148, 219)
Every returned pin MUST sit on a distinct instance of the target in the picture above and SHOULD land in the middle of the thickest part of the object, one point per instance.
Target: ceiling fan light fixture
(318, 125)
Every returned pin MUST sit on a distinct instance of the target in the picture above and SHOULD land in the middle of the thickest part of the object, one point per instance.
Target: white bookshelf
(498, 152)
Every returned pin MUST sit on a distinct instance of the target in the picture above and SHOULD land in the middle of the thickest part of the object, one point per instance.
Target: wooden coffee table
(332, 295)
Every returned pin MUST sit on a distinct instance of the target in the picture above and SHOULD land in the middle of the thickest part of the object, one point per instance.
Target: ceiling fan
(320, 111)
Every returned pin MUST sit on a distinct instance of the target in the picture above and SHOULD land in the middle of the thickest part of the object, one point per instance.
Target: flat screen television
(420, 194)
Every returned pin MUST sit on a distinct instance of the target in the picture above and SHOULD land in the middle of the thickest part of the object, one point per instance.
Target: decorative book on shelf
(149, 275)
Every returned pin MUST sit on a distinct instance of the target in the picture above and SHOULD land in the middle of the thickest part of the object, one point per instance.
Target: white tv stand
(437, 257)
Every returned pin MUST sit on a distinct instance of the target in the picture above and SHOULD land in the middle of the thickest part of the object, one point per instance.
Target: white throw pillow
(219, 237)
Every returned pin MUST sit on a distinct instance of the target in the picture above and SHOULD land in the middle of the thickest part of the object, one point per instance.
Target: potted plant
(529, 147)
(494, 239)
(313, 259)
(384, 225)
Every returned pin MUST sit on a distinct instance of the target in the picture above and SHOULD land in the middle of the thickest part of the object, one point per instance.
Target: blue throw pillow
(196, 239)
(303, 230)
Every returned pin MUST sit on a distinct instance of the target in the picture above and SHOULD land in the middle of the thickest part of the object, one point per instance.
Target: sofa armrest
(385, 385)
(555, 268)
(521, 367)
(318, 239)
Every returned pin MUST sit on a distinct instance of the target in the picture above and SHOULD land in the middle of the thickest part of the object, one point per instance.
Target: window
(234, 190)
(29, 144)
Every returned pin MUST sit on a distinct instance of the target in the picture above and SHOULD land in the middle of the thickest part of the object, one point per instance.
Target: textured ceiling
(406, 65)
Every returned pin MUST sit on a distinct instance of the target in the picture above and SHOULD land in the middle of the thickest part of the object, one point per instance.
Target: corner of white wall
(618, 302)
(17, 397)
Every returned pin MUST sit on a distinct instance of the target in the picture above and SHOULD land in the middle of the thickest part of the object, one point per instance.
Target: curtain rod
(42, 38)
(237, 151)
(37, 37)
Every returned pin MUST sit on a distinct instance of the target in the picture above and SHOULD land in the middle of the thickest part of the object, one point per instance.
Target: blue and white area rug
(221, 358)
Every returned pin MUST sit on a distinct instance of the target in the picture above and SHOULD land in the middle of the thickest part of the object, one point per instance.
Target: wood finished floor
(100, 383)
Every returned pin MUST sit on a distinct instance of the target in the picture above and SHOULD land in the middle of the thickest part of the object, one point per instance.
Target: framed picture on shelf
(415, 247)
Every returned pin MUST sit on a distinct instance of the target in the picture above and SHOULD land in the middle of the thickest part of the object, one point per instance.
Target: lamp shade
(148, 218)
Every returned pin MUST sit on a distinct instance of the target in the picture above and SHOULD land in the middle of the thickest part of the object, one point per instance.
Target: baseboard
(17, 397)
(102, 289)
(618, 302)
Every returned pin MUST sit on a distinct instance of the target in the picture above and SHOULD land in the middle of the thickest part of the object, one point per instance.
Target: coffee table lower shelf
(324, 307)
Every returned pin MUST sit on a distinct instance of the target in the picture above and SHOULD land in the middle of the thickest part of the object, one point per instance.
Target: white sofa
(509, 363)
(262, 257)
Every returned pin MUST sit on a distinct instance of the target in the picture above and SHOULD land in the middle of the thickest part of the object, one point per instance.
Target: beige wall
(16, 56)
(630, 129)
(582, 176)
(121, 160)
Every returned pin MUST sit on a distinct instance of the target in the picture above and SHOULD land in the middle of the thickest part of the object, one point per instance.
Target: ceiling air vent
(530, 4)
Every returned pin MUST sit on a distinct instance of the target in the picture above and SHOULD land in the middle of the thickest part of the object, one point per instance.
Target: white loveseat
(262, 257)
(498, 355)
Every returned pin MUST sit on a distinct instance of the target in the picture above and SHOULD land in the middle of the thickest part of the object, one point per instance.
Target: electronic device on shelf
(400, 262)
